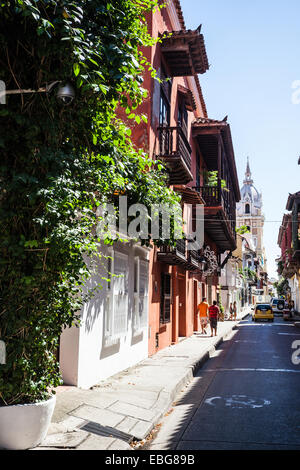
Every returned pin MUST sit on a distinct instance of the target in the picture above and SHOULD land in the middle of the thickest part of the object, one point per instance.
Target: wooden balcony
(193, 259)
(215, 143)
(179, 255)
(175, 152)
(293, 205)
(219, 216)
(291, 268)
(296, 235)
(173, 255)
(184, 52)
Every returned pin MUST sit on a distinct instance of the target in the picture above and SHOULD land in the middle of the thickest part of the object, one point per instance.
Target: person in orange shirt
(203, 313)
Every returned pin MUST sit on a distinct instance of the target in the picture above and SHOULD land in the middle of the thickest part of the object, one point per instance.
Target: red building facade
(192, 147)
(285, 241)
(151, 299)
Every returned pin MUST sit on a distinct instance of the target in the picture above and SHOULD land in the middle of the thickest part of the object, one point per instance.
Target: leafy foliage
(211, 179)
(58, 163)
(243, 229)
(280, 267)
(282, 287)
(248, 274)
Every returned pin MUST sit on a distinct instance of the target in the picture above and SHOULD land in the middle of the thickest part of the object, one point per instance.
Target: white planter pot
(25, 426)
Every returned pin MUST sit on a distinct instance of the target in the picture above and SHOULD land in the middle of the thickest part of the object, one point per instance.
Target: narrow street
(245, 397)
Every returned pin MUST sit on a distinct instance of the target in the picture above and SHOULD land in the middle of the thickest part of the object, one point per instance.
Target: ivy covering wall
(58, 163)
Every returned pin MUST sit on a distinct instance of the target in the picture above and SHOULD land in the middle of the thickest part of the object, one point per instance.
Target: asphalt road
(246, 396)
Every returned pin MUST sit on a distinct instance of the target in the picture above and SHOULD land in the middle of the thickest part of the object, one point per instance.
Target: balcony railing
(193, 258)
(210, 194)
(213, 197)
(177, 253)
(296, 231)
(175, 151)
(180, 255)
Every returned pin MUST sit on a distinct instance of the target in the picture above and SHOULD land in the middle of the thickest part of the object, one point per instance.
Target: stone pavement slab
(96, 443)
(65, 439)
(98, 415)
(130, 404)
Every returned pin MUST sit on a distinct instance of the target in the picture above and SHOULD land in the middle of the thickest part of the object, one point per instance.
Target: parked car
(263, 312)
(277, 305)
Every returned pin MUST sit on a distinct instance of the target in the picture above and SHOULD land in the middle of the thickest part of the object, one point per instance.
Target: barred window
(140, 309)
(116, 306)
(165, 298)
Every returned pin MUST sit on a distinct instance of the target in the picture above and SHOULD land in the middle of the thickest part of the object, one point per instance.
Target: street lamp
(65, 93)
(202, 264)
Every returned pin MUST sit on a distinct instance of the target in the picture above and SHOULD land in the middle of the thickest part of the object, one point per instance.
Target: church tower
(249, 213)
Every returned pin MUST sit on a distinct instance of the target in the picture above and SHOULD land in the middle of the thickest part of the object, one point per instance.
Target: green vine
(59, 163)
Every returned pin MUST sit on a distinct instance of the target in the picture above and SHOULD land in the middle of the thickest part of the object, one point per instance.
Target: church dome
(250, 194)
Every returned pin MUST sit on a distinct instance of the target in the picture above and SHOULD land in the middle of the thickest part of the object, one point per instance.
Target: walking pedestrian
(203, 314)
(213, 313)
(231, 311)
(234, 310)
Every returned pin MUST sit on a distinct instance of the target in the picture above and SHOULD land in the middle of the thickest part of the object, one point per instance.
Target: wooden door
(182, 307)
(195, 284)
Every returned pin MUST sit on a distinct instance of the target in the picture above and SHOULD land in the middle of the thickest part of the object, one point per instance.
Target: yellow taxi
(263, 311)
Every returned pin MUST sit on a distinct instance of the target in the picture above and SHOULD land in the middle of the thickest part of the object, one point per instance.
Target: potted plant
(24, 426)
(211, 179)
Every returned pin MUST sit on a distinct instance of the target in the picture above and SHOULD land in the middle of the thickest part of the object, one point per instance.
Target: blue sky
(253, 50)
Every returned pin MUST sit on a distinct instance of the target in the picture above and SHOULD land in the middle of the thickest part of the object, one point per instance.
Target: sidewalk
(126, 407)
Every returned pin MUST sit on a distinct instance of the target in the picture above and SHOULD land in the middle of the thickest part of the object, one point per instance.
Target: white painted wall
(230, 278)
(68, 355)
(86, 355)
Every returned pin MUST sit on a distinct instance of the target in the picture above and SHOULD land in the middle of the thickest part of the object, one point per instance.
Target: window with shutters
(165, 97)
(182, 119)
(164, 111)
(116, 306)
(140, 307)
(165, 299)
(198, 171)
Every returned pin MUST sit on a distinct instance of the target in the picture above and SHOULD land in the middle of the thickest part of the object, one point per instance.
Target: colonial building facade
(289, 243)
(152, 301)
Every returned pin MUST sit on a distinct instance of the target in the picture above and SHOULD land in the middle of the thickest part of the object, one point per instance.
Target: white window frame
(111, 330)
(140, 321)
